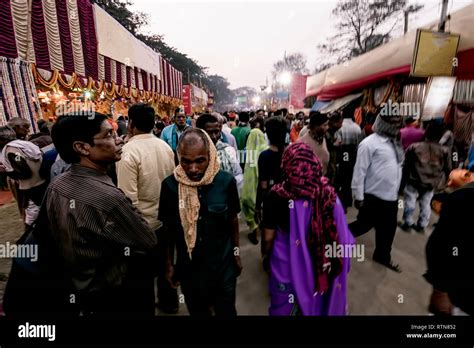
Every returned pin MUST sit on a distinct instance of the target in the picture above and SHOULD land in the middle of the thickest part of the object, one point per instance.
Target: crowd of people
(128, 203)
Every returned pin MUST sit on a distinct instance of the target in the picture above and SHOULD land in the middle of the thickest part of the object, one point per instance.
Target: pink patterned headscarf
(302, 178)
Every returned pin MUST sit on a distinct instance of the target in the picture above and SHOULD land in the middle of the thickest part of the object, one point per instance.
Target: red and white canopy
(391, 59)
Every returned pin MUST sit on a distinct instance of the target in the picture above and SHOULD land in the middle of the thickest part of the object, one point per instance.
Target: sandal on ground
(390, 265)
(253, 237)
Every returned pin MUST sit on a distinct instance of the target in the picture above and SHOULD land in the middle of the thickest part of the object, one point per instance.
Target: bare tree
(294, 63)
(361, 26)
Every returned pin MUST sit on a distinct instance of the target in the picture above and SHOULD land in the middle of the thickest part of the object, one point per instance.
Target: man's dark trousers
(381, 215)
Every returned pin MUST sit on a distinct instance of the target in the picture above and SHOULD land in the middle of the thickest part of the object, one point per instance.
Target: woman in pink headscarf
(302, 219)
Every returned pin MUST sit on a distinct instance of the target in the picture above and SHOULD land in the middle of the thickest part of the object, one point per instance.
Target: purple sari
(292, 277)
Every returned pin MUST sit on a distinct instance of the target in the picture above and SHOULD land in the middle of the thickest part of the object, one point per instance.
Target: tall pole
(405, 28)
(442, 21)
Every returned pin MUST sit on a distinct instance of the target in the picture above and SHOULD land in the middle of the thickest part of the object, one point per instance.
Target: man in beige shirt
(146, 162)
(317, 128)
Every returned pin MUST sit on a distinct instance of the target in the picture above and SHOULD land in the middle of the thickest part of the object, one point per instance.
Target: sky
(241, 40)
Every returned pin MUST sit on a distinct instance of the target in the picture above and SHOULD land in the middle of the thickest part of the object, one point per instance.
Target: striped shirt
(96, 227)
(350, 132)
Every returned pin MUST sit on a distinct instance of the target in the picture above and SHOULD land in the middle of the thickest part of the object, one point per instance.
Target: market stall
(392, 60)
(80, 58)
(196, 99)
(383, 76)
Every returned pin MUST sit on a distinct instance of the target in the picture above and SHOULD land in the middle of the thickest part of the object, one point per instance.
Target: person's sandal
(253, 237)
(390, 265)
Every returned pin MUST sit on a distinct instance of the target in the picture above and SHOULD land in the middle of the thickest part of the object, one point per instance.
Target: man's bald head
(193, 137)
(193, 153)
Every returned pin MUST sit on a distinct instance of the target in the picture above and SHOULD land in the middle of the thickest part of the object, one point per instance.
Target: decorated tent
(77, 52)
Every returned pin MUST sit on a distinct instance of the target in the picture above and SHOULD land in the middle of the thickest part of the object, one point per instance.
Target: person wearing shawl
(302, 219)
(316, 139)
(199, 204)
(256, 144)
(375, 186)
(22, 162)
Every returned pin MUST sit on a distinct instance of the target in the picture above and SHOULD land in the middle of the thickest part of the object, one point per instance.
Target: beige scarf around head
(189, 205)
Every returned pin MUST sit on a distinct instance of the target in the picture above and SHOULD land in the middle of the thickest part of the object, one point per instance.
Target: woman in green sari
(256, 144)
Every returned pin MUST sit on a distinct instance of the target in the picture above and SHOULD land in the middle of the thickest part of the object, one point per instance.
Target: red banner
(298, 91)
(188, 108)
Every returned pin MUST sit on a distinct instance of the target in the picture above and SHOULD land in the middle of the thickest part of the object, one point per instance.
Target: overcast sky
(241, 40)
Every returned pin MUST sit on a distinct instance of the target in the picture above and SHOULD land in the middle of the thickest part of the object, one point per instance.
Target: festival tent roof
(75, 41)
(339, 103)
(390, 59)
(319, 104)
(119, 44)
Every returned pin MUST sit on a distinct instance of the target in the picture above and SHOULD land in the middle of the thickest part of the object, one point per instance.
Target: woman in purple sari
(302, 220)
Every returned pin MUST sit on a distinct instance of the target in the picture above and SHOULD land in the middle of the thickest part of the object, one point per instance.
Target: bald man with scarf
(199, 204)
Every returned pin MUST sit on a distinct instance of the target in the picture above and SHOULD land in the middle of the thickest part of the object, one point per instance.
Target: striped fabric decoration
(163, 77)
(170, 79)
(173, 82)
(101, 67)
(18, 96)
(133, 79)
(123, 74)
(160, 89)
(65, 35)
(144, 76)
(150, 81)
(167, 78)
(52, 35)
(139, 76)
(180, 85)
(76, 39)
(129, 76)
(19, 13)
(107, 69)
(113, 70)
(61, 35)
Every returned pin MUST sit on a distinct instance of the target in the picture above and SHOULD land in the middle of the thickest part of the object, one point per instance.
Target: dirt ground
(372, 289)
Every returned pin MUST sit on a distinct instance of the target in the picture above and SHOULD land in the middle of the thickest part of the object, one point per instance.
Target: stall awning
(318, 105)
(390, 59)
(339, 103)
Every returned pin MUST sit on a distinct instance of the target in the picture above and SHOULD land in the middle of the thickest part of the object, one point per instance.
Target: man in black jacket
(449, 255)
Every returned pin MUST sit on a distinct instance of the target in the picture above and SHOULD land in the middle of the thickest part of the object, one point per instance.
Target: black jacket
(449, 251)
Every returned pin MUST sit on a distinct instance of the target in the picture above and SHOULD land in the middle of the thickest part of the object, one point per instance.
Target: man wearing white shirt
(349, 134)
(146, 162)
(375, 185)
